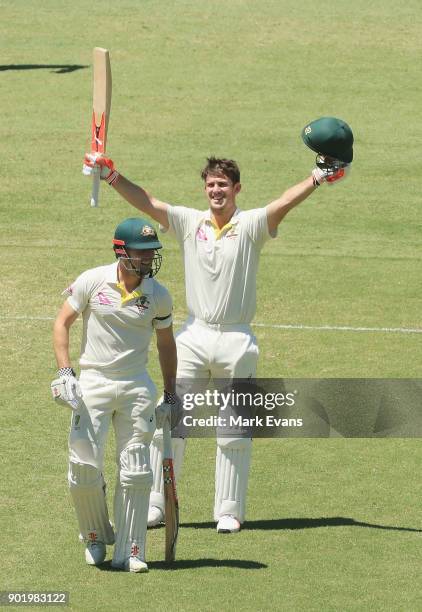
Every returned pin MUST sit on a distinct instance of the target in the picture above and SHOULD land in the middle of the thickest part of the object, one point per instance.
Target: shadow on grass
(181, 564)
(302, 523)
(56, 68)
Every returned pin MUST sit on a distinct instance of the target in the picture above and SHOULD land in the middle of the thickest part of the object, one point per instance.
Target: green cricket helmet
(331, 137)
(139, 234)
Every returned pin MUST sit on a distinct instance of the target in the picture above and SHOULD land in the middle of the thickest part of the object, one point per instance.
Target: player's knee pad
(231, 476)
(135, 470)
(84, 476)
(87, 489)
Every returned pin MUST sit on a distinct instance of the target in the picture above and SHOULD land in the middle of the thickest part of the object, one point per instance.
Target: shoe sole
(125, 568)
(228, 530)
(143, 570)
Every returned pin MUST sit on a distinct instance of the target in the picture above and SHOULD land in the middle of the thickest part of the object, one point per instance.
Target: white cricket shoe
(155, 516)
(132, 564)
(135, 564)
(95, 553)
(228, 524)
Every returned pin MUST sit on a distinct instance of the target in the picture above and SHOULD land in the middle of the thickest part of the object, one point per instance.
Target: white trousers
(130, 406)
(207, 352)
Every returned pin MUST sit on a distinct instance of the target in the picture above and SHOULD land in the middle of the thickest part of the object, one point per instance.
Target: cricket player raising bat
(121, 305)
(221, 248)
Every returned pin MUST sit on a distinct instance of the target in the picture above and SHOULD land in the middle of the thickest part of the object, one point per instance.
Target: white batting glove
(329, 172)
(94, 162)
(170, 409)
(66, 389)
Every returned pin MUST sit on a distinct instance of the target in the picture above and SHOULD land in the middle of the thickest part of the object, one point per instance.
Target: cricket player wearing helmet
(121, 304)
(221, 249)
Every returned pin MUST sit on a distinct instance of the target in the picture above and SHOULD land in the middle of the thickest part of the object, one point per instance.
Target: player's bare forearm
(278, 209)
(61, 328)
(167, 356)
(61, 345)
(141, 200)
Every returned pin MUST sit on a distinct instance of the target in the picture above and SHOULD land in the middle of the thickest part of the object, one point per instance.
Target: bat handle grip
(167, 449)
(95, 187)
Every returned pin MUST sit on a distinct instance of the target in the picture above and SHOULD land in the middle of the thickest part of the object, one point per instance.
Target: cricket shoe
(155, 516)
(228, 524)
(95, 552)
(135, 564)
(132, 564)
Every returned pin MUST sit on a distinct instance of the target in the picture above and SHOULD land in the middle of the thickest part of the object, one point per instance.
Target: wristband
(66, 372)
(170, 398)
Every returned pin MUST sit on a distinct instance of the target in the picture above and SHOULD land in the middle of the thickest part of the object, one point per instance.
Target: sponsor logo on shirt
(232, 233)
(103, 299)
(201, 235)
(142, 304)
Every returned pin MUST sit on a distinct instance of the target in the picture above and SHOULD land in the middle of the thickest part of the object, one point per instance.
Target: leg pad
(231, 476)
(87, 489)
(131, 502)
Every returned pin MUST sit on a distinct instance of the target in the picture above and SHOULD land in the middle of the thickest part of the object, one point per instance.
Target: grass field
(333, 524)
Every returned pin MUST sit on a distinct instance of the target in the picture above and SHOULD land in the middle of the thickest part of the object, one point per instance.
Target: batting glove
(94, 162)
(169, 409)
(66, 389)
(329, 170)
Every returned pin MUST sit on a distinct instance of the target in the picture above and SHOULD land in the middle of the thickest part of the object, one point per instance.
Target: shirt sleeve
(164, 312)
(257, 226)
(78, 293)
(181, 221)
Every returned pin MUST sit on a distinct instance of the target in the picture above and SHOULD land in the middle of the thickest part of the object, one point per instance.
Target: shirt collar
(146, 287)
(232, 221)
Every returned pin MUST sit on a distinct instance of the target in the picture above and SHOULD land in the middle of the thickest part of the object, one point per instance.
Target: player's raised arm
(279, 208)
(134, 194)
(332, 140)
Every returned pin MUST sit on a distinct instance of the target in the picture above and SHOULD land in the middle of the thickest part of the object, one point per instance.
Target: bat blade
(171, 503)
(100, 111)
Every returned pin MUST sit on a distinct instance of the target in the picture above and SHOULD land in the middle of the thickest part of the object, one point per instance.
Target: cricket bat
(171, 503)
(100, 112)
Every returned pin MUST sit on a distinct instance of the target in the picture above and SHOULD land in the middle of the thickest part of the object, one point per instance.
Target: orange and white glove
(94, 162)
(329, 170)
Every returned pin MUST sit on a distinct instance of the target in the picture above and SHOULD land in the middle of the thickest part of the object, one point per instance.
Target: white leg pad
(131, 502)
(87, 489)
(156, 458)
(231, 476)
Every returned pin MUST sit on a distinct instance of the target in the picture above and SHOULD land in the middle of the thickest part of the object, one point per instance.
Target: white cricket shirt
(117, 328)
(220, 265)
